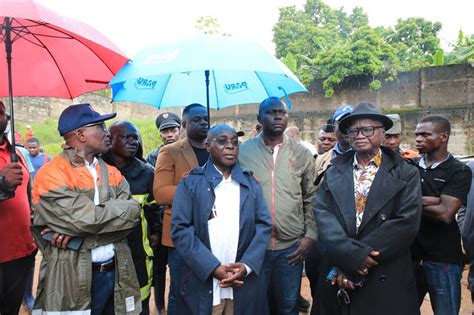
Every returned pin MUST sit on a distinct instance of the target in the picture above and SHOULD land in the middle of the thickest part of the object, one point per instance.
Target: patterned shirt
(363, 178)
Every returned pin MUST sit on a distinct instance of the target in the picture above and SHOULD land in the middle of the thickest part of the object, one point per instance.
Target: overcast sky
(133, 25)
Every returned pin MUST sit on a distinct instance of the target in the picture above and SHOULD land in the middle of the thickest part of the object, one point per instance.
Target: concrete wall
(447, 90)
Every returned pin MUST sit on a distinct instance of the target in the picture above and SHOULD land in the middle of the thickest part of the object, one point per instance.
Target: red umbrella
(51, 55)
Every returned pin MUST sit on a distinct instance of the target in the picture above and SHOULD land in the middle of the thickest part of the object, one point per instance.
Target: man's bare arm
(445, 211)
(430, 201)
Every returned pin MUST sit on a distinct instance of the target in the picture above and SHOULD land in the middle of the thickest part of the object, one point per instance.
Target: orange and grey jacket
(288, 187)
(63, 196)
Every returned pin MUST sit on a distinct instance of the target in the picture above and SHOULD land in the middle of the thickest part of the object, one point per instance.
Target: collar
(229, 179)
(214, 176)
(262, 143)
(422, 164)
(73, 155)
(338, 149)
(376, 160)
(94, 163)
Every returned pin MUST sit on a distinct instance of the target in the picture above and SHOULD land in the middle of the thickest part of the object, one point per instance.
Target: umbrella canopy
(237, 71)
(47, 54)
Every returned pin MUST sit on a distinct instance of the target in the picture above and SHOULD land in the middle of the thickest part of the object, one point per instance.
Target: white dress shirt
(224, 231)
(105, 252)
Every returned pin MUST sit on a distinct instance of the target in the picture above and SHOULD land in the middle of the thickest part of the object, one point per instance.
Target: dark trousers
(13, 275)
(283, 281)
(312, 272)
(174, 263)
(102, 293)
(160, 260)
(28, 297)
(443, 282)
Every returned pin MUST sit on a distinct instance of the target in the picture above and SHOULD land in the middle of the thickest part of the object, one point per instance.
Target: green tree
(463, 51)
(365, 54)
(332, 44)
(329, 43)
(416, 41)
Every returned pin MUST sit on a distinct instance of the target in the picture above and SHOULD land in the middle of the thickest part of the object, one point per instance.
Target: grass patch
(48, 135)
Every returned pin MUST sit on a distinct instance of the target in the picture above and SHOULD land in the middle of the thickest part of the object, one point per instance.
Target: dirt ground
(466, 307)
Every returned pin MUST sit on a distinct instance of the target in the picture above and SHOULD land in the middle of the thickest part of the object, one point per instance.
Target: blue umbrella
(217, 71)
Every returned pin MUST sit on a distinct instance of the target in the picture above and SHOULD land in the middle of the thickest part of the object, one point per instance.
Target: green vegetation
(320, 42)
(209, 25)
(51, 142)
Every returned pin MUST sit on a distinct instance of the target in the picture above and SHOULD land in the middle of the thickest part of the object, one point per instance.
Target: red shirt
(15, 219)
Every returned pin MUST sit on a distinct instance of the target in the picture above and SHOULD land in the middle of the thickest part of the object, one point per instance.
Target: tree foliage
(209, 25)
(463, 51)
(321, 42)
(416, 41)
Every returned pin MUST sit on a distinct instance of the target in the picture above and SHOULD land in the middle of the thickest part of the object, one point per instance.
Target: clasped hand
(344, 283)
(230, 275)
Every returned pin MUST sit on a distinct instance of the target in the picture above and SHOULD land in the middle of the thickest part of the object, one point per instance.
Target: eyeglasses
(328, 128)
(366, 131)
(223, 142)
(100, 124)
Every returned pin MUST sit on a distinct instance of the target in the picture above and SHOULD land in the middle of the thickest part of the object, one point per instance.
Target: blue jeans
(283, 281)
(443, 282)
(102, 292)
(174, 264)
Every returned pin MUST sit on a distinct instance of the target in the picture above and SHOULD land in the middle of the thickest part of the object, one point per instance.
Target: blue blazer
(192, 206)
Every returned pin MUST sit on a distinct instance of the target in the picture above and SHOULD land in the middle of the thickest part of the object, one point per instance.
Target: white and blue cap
(341, 112)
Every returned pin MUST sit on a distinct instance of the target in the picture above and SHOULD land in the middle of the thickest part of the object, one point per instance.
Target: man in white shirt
(221, 227)
(82, 200)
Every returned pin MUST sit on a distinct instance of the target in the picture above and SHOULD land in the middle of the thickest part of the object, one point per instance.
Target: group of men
(235, 222)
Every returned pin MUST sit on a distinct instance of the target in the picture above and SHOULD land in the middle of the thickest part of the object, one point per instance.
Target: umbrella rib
(164, 89)
(56, 63)
(22, 30)
(266, 91)
(215, 89)
(76, 39)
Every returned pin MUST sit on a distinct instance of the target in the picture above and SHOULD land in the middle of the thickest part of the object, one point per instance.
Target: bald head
(125, 137)
(118, 125)
(273, 117)
(293, 132)
(218, 130)
(223, 147)
(270, 102)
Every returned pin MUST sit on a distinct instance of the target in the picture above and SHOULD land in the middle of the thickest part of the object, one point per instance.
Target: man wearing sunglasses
(86, 208)
(221, 228)
(368, 211)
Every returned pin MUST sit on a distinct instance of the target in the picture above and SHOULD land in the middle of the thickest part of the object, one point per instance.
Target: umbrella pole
(206, 72)
(8, 49)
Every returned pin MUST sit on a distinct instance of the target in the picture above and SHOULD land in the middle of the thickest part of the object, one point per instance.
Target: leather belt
(104, 267)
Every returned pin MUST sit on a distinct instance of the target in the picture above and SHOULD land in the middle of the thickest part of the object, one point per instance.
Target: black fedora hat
(365, 110)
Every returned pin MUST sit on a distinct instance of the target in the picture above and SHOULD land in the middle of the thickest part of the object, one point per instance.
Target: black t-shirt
(438, 241)
(202, 155)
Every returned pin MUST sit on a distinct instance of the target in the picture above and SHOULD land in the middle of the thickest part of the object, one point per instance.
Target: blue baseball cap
(77, 116)
(341, 112)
